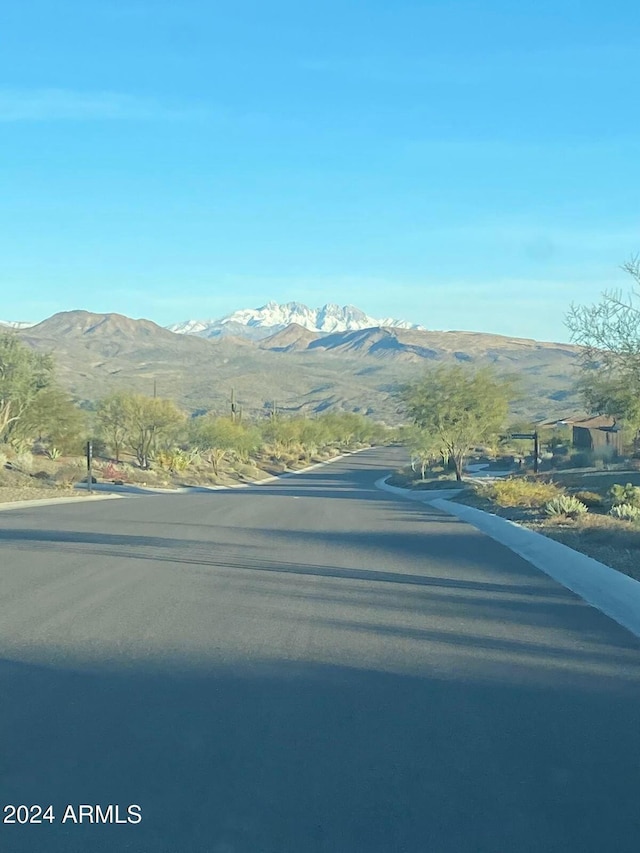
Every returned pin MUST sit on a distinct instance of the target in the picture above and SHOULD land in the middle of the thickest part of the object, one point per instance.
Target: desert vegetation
(588, 499)
(148, 440)
(452, 409)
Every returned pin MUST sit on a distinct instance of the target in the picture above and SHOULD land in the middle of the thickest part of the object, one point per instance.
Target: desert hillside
(302, 370)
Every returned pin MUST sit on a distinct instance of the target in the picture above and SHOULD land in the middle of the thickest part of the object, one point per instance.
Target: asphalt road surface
(309, 666)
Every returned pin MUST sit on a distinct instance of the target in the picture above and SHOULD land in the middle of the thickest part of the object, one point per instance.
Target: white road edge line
(613, 593)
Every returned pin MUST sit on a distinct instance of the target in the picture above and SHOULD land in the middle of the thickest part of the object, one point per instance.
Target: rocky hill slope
(302, 370)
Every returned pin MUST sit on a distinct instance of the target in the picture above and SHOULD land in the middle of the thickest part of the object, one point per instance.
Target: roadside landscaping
(16, 485)
(34, 476)
(544, 504)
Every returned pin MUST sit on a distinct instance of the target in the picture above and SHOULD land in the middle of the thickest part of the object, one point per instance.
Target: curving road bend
(308, 666)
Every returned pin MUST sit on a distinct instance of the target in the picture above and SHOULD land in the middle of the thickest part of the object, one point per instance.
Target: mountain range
(261, 322)
(302, 369)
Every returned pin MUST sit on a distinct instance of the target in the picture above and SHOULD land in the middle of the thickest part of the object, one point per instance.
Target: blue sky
(465, 165)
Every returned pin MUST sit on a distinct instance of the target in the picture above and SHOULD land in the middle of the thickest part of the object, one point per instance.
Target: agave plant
(565, 505)
(627, 495)
(625, 512)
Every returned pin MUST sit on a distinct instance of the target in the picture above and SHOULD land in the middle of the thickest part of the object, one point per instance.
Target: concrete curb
(272, 478)
(608, 590)
(304, 470)
(423, 495)
(5, 507)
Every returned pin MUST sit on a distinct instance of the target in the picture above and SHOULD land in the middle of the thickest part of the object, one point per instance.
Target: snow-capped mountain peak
(11, 324)
(273, 316)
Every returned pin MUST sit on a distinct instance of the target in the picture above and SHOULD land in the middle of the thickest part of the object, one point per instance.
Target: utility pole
(155, 388)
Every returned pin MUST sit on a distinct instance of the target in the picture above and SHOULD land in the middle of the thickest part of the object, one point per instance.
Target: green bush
(174, 459)
(627, 494)
(565, 505)
(581, 459)
(625, 512)
(516, 491)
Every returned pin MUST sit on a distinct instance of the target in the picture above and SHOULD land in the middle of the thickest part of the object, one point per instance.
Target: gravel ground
(612, 542)
(9, 494)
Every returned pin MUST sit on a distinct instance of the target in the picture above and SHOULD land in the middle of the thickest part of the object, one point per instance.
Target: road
(308, 666)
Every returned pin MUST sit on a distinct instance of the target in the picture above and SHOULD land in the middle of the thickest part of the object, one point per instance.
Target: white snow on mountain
(272, 317)
(16, 325)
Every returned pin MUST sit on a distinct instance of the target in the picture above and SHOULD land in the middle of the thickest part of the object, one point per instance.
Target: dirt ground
(9, 494)
(610, 541)
(594, 481)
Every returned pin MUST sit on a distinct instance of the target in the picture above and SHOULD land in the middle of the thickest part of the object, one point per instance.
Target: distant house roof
(605, 422)
(568, 421)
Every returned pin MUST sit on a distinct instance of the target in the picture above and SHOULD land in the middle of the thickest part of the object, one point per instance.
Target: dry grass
(520, 492)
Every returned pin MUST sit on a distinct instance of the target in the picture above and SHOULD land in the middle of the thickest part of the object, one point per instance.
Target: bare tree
(609, 333)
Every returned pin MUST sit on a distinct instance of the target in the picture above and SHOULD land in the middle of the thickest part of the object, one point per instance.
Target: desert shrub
(24, 462)
(627, 494)
(145, 476)
(581, 459)
(565, 505)
(604, 454)
(626, 512)
(113, 472)
(173, 459)
(515, 491)
(21, 445)
(245, 470)
(592, 500)
(68, 474)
